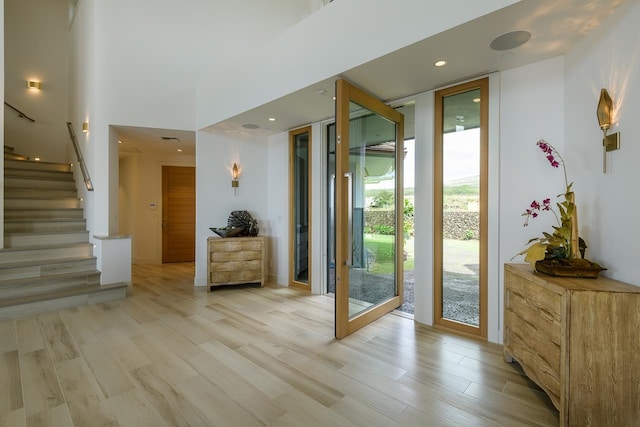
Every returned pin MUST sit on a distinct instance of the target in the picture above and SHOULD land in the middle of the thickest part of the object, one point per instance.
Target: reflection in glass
(372, 164)
(461, 208)
(301, 204)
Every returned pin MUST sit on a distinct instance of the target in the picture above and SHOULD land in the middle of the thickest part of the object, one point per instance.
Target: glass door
(369, 147)
(460, 206)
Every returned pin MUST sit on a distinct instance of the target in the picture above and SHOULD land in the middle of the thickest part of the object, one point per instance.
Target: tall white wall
(215, 198)
(609, 57)
(137, 64)
(338, 37)
(36, 48)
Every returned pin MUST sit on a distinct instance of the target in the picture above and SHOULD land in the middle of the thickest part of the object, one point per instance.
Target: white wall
(531, 108)
(338, 37)
(608, 205)
(36, 48)
(216, 199)
(136, 64)
(140, 202)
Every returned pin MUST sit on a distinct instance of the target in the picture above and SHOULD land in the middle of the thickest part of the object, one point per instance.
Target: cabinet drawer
(533, 332)
(236, 265)
(248, 255)
(233, 277)
(233, 244)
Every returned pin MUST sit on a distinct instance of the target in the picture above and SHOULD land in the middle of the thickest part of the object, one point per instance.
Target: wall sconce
(235, 173)
(85, 127)
(605, 113)
(34, 85)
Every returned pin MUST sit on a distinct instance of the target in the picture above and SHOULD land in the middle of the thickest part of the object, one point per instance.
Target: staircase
(47, 262)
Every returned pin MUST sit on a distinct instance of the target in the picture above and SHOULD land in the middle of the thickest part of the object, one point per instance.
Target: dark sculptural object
(243, 219)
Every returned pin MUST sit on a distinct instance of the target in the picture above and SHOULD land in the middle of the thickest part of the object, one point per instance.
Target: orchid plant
(564, 241)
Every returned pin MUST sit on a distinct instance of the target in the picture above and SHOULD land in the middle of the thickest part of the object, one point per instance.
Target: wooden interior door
(178, 214)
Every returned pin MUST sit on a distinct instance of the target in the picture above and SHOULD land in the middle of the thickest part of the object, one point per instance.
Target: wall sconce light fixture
(34, 85)
(605, 114)
(235, 173)
(85, 127)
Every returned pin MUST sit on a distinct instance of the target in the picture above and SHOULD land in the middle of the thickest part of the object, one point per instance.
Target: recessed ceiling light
(272, 119)
(510, 40)
(179, 150)
(440, 63)
(37, 159)
(476, 100)
(250, 126)
(119, 142)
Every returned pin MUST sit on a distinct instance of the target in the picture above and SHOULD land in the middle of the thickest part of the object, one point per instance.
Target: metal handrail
(83, 167)
(20, 113)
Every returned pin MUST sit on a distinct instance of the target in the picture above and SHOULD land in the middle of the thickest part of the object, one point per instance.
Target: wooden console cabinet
(235, 260)
(579, 340)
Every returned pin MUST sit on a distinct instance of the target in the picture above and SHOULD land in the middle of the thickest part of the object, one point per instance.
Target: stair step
(33, 165)
(34, 193)
(11, 256)
(50, 203)
(19, 240)
(33, 183)
(23, 287)
(31, 270)
(43, 213)
(14, 308)
(38, 174)
(22, 225)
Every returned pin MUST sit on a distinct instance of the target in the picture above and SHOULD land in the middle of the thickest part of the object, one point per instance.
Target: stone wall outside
(459, 225)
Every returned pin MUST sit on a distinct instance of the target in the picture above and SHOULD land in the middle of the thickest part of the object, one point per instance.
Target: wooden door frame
(439, 321)
(346, 92)
(292, 245)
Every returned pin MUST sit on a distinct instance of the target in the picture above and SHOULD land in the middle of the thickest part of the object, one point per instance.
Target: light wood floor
(170, 355)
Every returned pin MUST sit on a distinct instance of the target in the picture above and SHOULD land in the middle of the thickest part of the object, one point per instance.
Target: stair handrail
(83, 166)
(20, 113)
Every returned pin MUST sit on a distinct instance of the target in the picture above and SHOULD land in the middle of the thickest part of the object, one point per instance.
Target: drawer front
(533, 332)
(232, 277)
(235, 256)
(233, 244)
(236, 266)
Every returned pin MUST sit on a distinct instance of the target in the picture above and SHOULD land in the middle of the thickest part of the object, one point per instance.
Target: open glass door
(369, 147)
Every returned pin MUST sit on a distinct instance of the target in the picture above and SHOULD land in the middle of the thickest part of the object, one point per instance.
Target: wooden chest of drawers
(579, 340)
(235, 260)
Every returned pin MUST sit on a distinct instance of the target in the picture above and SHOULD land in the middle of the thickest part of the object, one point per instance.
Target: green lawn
(382, 248)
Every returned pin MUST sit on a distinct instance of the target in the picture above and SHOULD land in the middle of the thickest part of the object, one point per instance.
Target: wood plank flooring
(172, 355)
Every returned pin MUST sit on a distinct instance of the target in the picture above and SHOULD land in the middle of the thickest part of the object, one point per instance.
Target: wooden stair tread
(45, 219)
(63, 293)
(47, 278)
(42, 261)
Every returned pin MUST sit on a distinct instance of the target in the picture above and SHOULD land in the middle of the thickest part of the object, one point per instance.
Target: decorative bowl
(227, 231)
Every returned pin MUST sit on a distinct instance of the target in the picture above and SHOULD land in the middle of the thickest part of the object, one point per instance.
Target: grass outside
(381, 246)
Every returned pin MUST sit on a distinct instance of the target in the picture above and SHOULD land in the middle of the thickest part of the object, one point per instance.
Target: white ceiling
(555, 26)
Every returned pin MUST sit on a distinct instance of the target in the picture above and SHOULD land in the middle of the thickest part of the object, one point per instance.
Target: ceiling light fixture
(272, 119)
(440, 63)
(476, 100)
